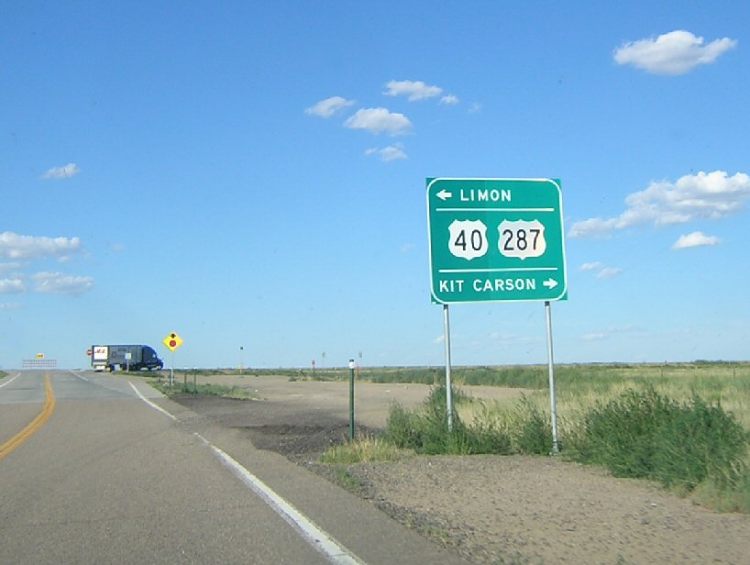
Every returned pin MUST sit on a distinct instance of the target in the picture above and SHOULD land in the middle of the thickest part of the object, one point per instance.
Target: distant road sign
(172, 341)
(495, 240)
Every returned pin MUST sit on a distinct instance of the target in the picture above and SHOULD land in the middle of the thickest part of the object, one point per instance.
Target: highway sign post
(496, 240)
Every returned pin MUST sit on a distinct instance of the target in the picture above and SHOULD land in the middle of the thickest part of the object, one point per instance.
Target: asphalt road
(108, 478)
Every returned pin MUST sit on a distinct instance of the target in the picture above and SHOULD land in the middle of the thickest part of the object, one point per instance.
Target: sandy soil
(489, 509)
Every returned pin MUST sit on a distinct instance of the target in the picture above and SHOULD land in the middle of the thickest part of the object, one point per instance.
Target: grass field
(578, 386)
(684, 425)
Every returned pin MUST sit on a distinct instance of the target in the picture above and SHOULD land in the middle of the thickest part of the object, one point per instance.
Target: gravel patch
(499, 509)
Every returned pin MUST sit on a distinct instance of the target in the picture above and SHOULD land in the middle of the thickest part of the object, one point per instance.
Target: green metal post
(351, 399)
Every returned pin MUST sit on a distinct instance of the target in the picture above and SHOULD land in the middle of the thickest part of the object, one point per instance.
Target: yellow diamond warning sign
(172, 341)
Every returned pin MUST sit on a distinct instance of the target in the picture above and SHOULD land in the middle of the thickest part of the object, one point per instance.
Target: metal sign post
(171, 369)
(448, 388)
(351, 399)
(551, 370)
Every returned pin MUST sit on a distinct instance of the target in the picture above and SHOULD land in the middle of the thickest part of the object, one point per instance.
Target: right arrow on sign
(550, 283)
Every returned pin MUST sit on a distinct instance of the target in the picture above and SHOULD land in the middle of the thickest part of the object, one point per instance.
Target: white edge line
(79, 376)
(317, 538)
(152, 404)
(13, 378)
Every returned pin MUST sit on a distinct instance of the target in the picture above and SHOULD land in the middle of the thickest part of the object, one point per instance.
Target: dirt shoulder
(489, 509)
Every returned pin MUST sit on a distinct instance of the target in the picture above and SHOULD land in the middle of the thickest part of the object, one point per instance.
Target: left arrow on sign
(444, 195)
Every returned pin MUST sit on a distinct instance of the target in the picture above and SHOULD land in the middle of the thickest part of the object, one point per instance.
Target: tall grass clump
(531, 428)
(644, 434)
(364, 450)
(425, 430)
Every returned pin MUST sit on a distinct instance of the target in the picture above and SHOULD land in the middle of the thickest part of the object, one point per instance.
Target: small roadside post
(128, 357)
(351, 399)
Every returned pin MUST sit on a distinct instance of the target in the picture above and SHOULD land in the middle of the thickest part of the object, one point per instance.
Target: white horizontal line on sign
(495, 210)
(511, 270)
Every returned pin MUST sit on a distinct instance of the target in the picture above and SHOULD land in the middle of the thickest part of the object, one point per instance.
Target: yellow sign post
(172, 341)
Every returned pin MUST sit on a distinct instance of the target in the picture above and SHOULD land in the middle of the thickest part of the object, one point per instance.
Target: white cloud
(15, 246)
(389, 153)
(10, 306)
(701, 196)
(595, 336)
(59, 283)
(449, 100)
(600, 270)
(673, 53)
(414, 89)
(475, 108)
(593, 266)
(8, 267)
(64, 172)
(695, 239)
(608, 273)
(12, 286)
(379, 120)
(611, 332)
(328, 107)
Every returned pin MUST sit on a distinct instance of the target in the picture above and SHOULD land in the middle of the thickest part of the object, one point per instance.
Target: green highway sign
(495, 240)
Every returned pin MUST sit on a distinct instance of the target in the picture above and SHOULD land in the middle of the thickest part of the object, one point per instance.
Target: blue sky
(252, 175)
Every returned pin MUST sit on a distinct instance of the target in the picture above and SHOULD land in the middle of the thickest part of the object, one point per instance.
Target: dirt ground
(489, 509)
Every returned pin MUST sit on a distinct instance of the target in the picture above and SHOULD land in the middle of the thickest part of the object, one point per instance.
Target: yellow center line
(33, 426)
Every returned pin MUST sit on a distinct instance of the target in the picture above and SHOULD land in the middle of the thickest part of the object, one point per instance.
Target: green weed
(426, 430)
(362, 450)
(648, 435)
(532, 429)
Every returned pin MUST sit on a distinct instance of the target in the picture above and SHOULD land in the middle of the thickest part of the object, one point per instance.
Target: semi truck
(132, 357)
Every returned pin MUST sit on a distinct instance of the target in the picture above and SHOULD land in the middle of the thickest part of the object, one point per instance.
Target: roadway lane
(18, 405)
(109, 480)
